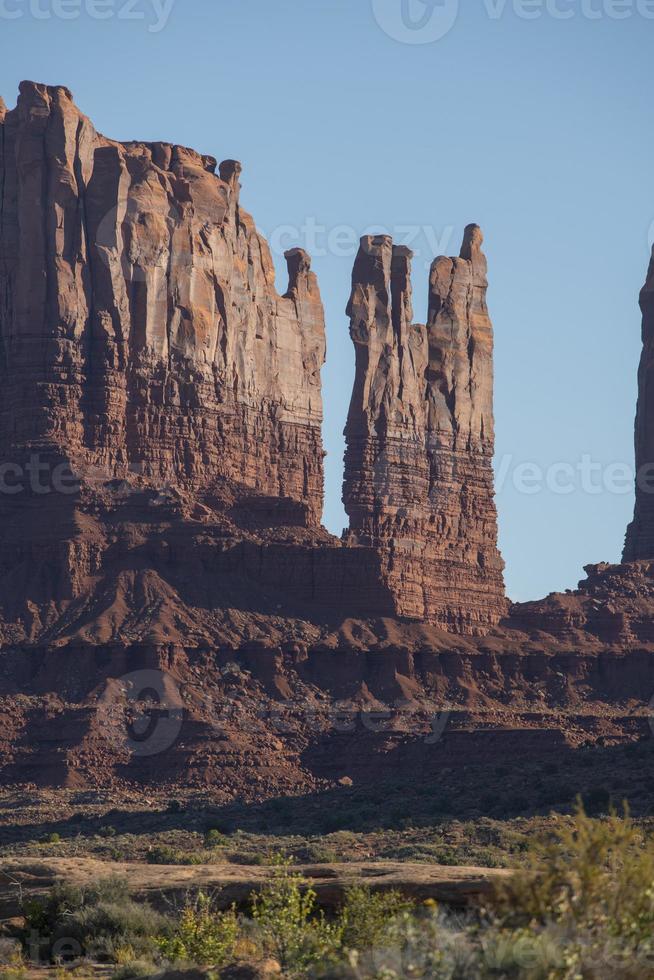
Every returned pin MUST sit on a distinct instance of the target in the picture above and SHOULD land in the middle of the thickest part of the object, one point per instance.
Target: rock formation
(161, 459)
(160, 404)
(143, 346)
(418, 483)
(141, 332)
(639, 542)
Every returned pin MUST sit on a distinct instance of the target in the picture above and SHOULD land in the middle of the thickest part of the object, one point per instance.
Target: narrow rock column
(639, 542)
(418, 464)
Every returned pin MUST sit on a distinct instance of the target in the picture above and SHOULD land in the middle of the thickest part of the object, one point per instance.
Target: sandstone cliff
(141, 332)
(418, 484)
(142, 342)
(161, 462)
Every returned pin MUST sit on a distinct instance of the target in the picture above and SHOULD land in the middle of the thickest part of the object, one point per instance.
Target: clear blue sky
(538, 129)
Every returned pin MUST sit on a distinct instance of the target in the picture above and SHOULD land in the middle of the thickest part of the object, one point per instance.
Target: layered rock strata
(418, 484)
(161, 462)
(639, 542)
(140, 330)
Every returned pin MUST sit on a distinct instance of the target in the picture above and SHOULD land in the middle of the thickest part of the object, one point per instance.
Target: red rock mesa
(141, 329)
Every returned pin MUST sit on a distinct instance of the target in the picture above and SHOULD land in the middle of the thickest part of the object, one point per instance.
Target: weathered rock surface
(141, 330)
(143, 346)
(160, 403)
(639, 542)
(229, 883)
(418, 484)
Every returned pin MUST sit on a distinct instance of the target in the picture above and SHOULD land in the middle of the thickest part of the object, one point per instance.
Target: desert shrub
(596, 873)
(408, 852)
(164, 854)
(316, 854)
(215, 838)
(247, 857)
(203, 935)
(287, 926)
(13, 973)
(95, 920)
(43, 915)
(366, 918)
(419, 946)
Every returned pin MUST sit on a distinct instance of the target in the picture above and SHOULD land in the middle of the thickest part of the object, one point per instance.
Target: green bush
(164, 854)
(203, 936)
(215, 838)
(97, 920)
(596, 873)
(317, 854)
(367, 918)
(247, 857)
(287, 926)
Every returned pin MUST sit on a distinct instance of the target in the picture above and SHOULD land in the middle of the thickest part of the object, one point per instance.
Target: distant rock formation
(141, 332)
(418, 484)
(639, 542)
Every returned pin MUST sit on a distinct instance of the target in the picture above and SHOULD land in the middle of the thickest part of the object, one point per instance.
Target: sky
(531, 118)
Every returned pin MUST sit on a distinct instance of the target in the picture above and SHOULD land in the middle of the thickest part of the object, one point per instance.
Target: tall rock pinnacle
(140, 329)
(418, 483)
(639, 542)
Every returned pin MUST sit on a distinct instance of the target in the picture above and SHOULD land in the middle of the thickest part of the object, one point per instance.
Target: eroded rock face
(639, 542)
(418, 483)
(142, 342)
(140, 329)
(143, 347)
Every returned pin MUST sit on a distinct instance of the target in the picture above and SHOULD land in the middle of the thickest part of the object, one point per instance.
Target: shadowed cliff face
(140, 328)
(418, 481)
(639, 543)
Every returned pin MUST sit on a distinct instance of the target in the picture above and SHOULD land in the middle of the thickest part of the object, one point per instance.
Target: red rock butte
(418, 467)
(141, 329)
(143, 342)
(161, 490)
